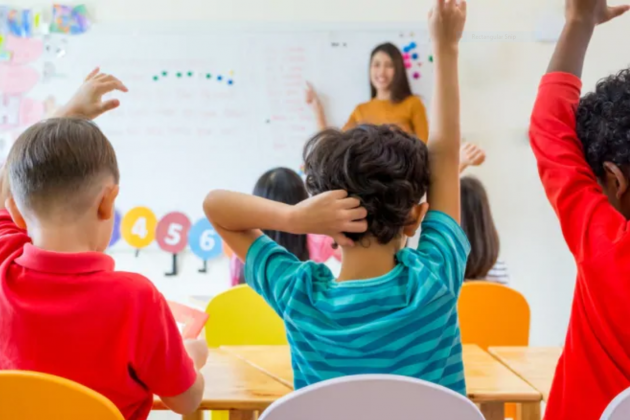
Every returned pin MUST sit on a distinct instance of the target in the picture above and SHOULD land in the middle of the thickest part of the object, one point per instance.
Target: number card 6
(138, 227)
(172, 232)
(204, 241)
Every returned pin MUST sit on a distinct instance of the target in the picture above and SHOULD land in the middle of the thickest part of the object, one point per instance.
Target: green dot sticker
(164, 73)
(190, 74)
(430, 59)
(179, 74)
(156, 78)
(208, 76)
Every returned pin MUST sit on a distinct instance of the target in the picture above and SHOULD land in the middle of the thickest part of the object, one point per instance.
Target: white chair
(373, 397)
(619, 408)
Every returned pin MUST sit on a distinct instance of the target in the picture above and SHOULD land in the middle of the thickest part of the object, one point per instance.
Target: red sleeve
(161, 361)
(12, 237)
(589, 222)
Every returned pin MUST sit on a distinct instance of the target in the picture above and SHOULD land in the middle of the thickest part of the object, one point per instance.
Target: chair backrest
(619, 408)
(32, 395)
(492, 314)
(373, 397)
(240, 317)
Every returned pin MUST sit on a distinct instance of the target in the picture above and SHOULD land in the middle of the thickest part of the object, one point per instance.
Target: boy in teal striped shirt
(392, 309)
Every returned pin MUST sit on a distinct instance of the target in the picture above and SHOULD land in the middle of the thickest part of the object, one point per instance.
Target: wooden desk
(536, 365)
(489, 383)
(234, 385)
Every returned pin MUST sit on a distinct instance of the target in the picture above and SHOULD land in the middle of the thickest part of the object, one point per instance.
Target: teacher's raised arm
(392, 101)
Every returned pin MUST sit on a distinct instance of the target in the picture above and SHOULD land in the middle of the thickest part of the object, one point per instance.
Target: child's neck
(66, 239)
(362, 263)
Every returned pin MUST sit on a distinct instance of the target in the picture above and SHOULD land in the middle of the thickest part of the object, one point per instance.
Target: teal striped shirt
(402, 323)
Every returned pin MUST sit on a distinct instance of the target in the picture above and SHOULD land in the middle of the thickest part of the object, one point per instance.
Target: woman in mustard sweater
(392, 101)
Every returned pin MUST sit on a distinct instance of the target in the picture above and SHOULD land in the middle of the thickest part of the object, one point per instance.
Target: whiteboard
(184, 129)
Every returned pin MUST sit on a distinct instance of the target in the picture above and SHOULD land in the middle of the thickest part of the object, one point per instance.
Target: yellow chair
(240, 317)
(31, 395)
(492, 314)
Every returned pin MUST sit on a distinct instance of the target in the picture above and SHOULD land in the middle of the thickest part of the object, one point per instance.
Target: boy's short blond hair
(59, 164)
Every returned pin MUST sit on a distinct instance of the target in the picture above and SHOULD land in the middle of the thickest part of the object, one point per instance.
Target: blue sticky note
(204, 241)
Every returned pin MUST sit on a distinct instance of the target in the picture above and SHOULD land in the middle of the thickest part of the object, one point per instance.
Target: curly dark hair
(603, 123)
(386, 168)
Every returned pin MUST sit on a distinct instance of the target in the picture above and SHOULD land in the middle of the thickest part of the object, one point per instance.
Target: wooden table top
(487, 380)
(232, 384)
(536, 365)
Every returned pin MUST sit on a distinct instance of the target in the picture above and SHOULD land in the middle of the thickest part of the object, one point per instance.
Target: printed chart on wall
(206, 108)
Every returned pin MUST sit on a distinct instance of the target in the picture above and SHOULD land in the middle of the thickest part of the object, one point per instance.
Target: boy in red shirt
(63, 308)
(583, 152)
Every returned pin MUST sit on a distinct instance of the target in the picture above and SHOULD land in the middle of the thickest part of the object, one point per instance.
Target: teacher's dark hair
(401, 89)
(384, 167)
(478, 224)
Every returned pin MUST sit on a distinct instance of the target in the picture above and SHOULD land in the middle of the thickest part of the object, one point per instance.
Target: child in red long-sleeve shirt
(583, 152)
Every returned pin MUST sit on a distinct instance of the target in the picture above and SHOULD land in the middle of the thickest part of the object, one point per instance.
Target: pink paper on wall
(17, 79)
(31, 111)
(24, 50)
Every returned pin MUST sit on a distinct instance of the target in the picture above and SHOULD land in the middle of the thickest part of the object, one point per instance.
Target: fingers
(109, 105)
(358, 213)
(357, 226)
(617, 11)
(92, 74)
(338, 194)
(343, 240)
(106, 87)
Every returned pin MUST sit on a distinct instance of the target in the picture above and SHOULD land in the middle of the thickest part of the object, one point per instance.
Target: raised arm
(312, 99)
(582, 208)
(87, 102)
(239, 218)
(446, 21)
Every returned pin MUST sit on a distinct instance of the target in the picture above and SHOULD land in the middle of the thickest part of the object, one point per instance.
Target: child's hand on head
(330, 213)
(594, 12)
(471, 155)
(446, 22)
(88, 102)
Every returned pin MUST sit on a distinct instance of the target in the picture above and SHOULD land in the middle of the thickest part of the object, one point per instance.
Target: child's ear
(17, 217)
(615, 179)
(106, 206)
(417, 216)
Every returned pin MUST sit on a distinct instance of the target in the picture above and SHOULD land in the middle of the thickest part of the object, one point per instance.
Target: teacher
(392, 101)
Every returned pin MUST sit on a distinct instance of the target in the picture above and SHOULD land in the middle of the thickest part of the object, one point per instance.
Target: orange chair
(492, 314)
(31, 395)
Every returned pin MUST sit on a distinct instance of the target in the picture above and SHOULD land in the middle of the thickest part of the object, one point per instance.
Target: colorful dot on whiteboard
(164, 73)
(407, 64)
(190, 74)
(430, 59)
(179, 74)
(230, 82)
(208, 76)
(414, 56)
(219, 78)
(406, 56)
(231, 72)
(156, 78)
(412, 45)
(416, 75)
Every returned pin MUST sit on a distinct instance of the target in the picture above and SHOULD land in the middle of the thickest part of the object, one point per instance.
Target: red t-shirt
(72, 315)
(595, 364)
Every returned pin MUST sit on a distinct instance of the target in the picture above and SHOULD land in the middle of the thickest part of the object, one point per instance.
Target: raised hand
(311, 95)
(470, 155)
(594, 12)
(330, 213)
(446, 22)
(88, 102)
